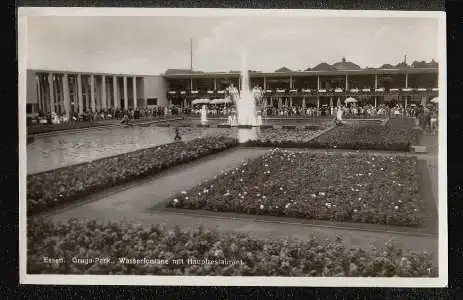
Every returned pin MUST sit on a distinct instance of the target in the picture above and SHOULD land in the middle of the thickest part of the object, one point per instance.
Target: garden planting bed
(396, 135)
(61, 185)
(124, 244)
(333, 186)
(288, 138)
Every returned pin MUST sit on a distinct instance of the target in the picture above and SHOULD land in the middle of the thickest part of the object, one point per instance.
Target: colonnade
(67, 93)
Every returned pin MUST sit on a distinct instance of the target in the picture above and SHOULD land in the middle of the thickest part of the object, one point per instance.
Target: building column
(376, 99)
(347, 82)
(134, 90)
(92, 93)
(51, 94)
(376, 81)
(290, 82)
(115, 93)
(87, 96)
(215, 84)
(67, 99)
(406, 98)
(318, 83)
(126, 99)
(104, 104)
(318, 101)
(39, 92)
(191, 84)
(79, 94)
(406, 80)
(265, 83)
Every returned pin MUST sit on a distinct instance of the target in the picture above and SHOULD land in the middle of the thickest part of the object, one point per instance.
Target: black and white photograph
(232, 147)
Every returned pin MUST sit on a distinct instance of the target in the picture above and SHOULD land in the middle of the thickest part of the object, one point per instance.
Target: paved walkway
(141, 197)
(133, 205)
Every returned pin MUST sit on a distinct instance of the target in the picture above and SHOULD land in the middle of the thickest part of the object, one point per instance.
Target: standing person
(177, 135)
(338, 119)
(434, 121)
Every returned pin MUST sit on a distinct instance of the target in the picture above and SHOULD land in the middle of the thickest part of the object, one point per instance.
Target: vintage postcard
(232, 147)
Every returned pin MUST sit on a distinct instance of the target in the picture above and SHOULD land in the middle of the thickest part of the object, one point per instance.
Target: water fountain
(204, 115)
(245, 102)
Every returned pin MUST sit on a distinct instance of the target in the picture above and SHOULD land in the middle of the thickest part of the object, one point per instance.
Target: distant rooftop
(343, 65)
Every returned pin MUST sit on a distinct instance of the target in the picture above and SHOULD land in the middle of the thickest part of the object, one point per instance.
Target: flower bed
(229, 254)
(289, 138)
(64, 184)
(397, 135)
(383, 189)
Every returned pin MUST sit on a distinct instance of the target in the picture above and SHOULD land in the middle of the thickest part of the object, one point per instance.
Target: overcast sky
(151, 45)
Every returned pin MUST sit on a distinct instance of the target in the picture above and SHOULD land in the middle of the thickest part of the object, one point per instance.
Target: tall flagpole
(191, 54)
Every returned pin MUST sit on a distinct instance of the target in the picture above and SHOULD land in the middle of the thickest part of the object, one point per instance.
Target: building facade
(70, 92)
(74, 92)
(313, 88)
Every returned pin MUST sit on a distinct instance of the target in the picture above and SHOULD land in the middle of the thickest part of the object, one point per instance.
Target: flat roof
(307, 73)
(256, 74)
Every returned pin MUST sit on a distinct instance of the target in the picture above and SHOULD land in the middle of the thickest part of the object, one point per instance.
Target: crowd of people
(425, 115)
(107, 114)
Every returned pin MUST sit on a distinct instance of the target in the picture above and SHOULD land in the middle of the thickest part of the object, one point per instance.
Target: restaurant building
(68, 92)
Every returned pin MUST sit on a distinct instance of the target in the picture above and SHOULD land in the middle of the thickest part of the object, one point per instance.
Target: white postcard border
(441, 281)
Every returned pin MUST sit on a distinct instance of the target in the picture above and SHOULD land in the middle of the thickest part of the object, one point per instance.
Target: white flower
(261, 206)
(396, 207)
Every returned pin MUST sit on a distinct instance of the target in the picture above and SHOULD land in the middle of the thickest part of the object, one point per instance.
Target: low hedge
(138, 250)
(57, 186)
